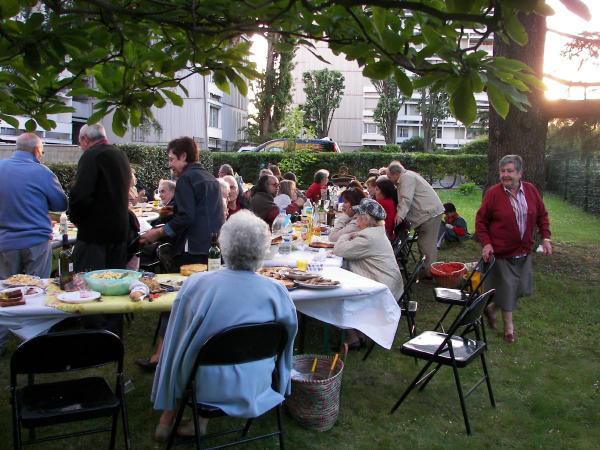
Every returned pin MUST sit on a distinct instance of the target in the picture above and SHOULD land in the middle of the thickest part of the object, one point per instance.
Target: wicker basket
(448, 274)
(315, 403)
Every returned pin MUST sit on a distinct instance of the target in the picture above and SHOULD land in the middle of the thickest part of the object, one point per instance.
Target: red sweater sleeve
(314, 192)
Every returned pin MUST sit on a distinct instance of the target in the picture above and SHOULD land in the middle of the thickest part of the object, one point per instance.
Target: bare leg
(156, 355)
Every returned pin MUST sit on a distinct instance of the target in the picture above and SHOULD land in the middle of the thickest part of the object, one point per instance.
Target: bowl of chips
(111, 281)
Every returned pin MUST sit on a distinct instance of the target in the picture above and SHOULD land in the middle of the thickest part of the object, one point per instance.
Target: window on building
(371, 128)
(402, 132)
(215, 97)
(438, 133)
(213, 119)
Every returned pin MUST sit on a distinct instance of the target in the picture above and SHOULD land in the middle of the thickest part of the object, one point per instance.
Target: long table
(358, 303)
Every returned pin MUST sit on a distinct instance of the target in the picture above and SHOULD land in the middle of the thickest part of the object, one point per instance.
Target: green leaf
(97, 116)
(515, 30)
(46, 124)
(220, 80)
(175, 99)
(404, 83)
(379, 70)
(9, 8)
(30, 125)
(463, 104)
(135, 116)
(12, 121)
(119, 122)
(498, 101)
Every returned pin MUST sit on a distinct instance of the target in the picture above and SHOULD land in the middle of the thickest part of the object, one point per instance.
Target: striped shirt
(519, 206)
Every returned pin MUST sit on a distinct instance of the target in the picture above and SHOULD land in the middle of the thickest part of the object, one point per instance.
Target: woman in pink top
(386, 196)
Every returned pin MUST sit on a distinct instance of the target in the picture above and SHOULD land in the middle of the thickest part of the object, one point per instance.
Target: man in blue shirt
(28, 190)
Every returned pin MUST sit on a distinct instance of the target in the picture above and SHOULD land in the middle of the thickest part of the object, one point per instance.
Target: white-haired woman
(208, 303)
(368, 253)
(319, 184)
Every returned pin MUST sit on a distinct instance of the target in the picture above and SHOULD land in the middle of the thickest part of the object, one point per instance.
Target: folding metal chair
(69, 400)
(408, 307)
(468, 291)
(235, 345)
(452, 349)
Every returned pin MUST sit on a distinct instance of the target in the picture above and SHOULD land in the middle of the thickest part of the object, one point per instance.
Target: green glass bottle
(214, 254)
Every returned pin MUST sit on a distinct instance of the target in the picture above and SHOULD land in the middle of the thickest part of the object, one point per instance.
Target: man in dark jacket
(98, 206)
(198, 211)
(98, 203)
(198, 214)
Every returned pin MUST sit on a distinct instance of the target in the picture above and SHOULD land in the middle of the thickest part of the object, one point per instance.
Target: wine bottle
(214, 254)
(65, 263)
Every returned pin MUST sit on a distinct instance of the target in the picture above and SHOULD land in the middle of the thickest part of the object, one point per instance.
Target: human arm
(341, 226)
(352, 246)
(57, 199)
(406, 191)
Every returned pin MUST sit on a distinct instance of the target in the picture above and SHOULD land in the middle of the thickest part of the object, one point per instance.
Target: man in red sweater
(509, 214)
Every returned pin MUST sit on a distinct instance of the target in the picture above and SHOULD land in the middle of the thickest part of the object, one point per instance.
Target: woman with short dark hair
(386, 196)
(346, 222)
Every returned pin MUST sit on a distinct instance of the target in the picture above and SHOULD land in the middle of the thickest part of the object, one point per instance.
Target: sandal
(509, 338)
(162, 432)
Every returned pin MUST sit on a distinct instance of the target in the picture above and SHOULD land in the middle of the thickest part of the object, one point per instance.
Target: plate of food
(79, 296)
(318, 283)
(11, 297)
(21, 280)
(299, 275)
(321, 244)
(31, 291)
(277, 239)
(189, 269)
(276, 273)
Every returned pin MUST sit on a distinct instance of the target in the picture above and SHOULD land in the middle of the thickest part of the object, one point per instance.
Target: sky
(564, 21)
(567, 22)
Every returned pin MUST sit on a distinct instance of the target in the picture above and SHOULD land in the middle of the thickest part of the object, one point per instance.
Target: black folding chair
(69, 400)
(467, 292)
(452, 349)
(408, 307)
(235, 345)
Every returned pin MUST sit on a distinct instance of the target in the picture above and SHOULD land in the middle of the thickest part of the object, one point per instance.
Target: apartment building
(353, 125)
(214, 118)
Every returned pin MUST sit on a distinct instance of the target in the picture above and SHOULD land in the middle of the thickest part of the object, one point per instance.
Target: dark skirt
(512, 279)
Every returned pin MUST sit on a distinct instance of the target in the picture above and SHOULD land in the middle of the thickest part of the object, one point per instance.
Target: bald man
(28, 190)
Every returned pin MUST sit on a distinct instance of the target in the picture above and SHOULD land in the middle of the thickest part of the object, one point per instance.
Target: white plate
(149, 216)
(77, 297)
(32, 277)
(298, 275)
(34, 291)
(317, 286)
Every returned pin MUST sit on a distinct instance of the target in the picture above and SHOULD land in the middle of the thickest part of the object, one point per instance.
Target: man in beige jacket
(419, 204)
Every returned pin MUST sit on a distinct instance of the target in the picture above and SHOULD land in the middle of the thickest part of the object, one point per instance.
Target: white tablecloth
(289, 260)
(359, 303)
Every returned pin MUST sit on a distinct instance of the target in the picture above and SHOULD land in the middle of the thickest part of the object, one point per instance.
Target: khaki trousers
(427, 242)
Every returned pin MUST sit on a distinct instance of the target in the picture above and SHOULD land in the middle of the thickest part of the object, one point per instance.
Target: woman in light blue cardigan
(207, 304)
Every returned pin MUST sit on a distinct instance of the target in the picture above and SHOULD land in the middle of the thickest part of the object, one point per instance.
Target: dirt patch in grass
(579, 262)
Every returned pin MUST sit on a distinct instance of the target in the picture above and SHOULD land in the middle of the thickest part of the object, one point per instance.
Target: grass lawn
(547, 384)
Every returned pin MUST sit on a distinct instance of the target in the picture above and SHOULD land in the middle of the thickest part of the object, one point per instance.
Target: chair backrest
(471, 314)
(66, 351)
(412, 279)
(483, 268)
(243, 343)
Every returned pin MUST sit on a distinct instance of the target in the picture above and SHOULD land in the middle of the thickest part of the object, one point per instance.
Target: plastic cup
(302, 264)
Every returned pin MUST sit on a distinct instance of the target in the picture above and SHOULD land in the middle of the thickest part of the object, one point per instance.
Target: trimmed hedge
(477, 147)
(148, 161)
(150, 164)
(430, 165)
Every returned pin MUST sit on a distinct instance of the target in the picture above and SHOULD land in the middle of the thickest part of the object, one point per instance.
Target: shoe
(187, 430)
(162, 432)
(356, 345)
(146, 365)
(490, 318)
(509, 338)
